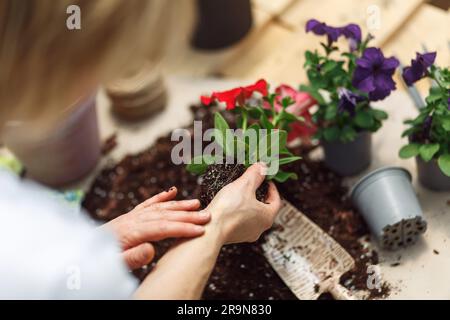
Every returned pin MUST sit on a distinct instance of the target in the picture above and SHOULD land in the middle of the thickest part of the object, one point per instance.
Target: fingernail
(199, 229)
(204, 214)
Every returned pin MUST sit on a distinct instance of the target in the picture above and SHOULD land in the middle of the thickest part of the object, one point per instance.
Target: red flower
(237, 96)
(302, 103)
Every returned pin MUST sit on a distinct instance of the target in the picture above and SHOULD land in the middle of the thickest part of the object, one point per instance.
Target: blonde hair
(44, 65)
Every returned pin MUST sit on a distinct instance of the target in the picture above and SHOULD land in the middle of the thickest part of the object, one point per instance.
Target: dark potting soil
(241, 272)
(218, 176)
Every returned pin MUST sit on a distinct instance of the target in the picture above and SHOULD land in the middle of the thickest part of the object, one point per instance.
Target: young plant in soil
(344, 83)
(273, 118)
(429, 132)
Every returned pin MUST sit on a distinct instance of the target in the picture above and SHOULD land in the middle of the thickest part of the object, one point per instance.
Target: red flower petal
(260, 86)
(229, 97)
(206, 100)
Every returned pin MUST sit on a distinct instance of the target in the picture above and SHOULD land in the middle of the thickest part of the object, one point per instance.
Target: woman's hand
(236, 213)
(236, 216)
(156, 219)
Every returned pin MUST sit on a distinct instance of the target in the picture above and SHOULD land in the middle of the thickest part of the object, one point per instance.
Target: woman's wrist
(215, 231)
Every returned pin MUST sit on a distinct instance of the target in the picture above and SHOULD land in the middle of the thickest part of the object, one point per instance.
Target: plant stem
(244, 119)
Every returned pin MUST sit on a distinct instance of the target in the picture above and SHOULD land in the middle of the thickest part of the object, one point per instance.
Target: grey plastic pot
(431, 176)
(389, 205)
(348, 159)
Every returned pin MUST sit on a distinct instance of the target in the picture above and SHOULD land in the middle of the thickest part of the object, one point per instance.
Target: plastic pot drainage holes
(389, 205)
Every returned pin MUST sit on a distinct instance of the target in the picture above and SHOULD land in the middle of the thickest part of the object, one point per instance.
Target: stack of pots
(139, 95)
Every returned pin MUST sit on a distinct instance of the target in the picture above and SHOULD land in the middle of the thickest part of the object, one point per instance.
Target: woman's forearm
(183, 271)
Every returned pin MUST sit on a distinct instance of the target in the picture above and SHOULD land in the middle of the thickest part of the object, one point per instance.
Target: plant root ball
(219, 175)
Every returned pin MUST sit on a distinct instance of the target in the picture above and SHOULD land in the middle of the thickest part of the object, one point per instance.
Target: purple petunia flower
(353, 33)
(321, 28)
(373, 74)
(418, 67)
(348, 101)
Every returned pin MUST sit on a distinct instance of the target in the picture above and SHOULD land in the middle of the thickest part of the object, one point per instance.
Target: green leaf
(330, 112)
(288, 160)
(364, 119)
(282, 176)
(254, 113)
(446, 123)
(347, 134)
(286, 116)
(199, 164)
(331, 133)
(221, 126)
(329, 66)
(379, 114)
(432, 98)
(265, 122)
(444, 164)
(409, 151)
(427, 151)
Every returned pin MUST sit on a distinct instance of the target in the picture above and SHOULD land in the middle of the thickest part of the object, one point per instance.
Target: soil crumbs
(242, 271)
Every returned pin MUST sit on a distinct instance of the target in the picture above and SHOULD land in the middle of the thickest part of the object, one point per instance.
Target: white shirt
(49, 252)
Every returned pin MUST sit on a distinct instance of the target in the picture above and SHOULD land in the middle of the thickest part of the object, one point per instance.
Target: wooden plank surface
(185, 60)
(429, 26)
(379, 17)
(285, 62)
(274, 7)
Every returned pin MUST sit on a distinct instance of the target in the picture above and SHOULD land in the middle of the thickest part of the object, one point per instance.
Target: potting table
(274, 50)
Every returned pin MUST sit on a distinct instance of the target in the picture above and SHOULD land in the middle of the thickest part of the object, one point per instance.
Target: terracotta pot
(431, 176)
(351, 158)
(65, 155)
(221, 23)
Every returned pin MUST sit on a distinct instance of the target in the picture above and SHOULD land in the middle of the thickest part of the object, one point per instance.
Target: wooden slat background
(274, 48)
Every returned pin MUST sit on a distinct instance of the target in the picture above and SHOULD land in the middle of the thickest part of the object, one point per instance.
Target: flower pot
(388, 203)
(221, 23)
(139, 95)
(430, 176)
(68, 153)
(348, 159)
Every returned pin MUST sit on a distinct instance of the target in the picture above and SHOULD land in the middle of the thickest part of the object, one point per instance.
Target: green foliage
(326, 74)
(271, 147)
(430, 130)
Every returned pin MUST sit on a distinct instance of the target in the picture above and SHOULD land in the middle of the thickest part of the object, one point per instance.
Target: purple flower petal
(383, 87)
(348, 101)
(374, 55)
(419, 67)
(373, 74)
(312, 24)
(364, 63)
(390, 64)
(426, 59)
(352, 31)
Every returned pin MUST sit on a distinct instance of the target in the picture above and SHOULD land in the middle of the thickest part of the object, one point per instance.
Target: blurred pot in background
(67, 153)
(349, 158)
(139, 94)
(221, 23)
